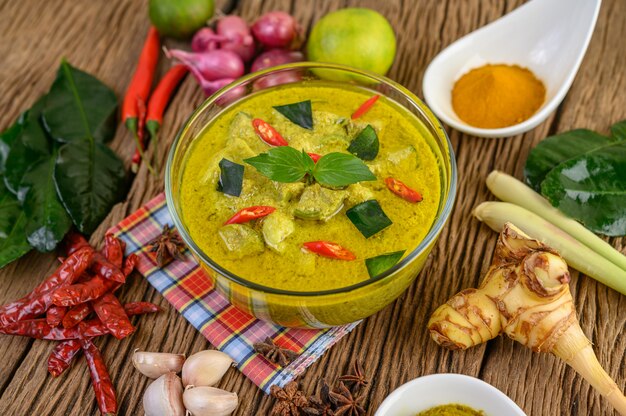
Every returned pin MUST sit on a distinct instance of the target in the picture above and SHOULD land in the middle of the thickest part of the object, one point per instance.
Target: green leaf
(231, 177)
(29, 148)
(79, 106)
(591, 188)
(341, 169)
(368, 217)
(298, 113)
(365, 145)
(13, 243)
(46, 219)
(8, 137)
(557, 149)
(282, 164)
(618, 130)
(90, 179)
(380, 264)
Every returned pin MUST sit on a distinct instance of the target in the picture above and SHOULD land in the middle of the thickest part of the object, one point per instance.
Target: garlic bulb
(164, 397)
(205, 368)
(209, 401)
(155, 364)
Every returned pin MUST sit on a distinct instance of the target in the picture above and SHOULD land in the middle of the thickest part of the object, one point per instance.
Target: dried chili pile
(77, 303)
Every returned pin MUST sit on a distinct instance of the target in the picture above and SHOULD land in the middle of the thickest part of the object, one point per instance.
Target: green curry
(270, 250)
(451, 410)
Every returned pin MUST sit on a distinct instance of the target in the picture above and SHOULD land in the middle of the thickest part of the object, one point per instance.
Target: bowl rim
(397, 394)
(423, 245)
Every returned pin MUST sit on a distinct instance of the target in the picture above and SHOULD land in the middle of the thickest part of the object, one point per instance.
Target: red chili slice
(268, 133)
(403, 191)
(314, 156)
(249, 214)
(365, 107)
(328, 249)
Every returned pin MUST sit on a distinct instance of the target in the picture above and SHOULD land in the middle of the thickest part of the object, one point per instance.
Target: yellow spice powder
(495, 96)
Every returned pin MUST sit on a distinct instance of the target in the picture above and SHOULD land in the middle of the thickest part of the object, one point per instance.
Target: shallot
(204, 40)
(275, 57)
(155, 364)
(164, 397)
(276, 30)
(210, 66)
(235, 36)
(205, 368)
(209, 401)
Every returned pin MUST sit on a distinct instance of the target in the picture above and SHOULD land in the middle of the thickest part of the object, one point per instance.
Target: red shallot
(276, 30)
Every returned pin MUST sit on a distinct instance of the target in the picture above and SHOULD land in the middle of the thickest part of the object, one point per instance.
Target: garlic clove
(205, 368)
(155, 364)
(209, 401)
(164, 397)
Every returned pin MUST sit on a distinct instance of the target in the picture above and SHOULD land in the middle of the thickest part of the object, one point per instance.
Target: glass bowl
(315, 309)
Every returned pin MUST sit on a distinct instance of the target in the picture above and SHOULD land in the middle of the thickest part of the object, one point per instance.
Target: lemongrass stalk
(509, 189)
(575, 253)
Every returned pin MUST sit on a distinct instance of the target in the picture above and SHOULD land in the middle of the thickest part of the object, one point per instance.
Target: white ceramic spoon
(549, 37)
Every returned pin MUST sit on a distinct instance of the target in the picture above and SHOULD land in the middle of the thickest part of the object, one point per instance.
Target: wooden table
(104, 37)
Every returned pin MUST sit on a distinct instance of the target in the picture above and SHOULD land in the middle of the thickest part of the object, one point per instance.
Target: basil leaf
(618, 130)
(592, 189)
(13, 244)
(341, 169)
(368, 217)
(231, 177)
(29, 148)
(90, 179)
(557, 149)
(282, 164)
(380, 264)
(79, 106)
(365, 145)
(46, 219)
(298, 113)
(10, 136)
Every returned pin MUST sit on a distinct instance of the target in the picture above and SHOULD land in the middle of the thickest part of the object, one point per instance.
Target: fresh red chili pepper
(39, 329)
(365, 107)
(314, 156)
(76, 314)
(268, 133)
(100, 379)
(328, 249)
(113, 316)
(137, 308)
(62, 355)
(55, 314)
(38, 301)
(403, 191)
(249, 214)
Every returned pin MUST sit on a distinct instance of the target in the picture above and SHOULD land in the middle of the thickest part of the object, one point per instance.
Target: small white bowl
(439, 389)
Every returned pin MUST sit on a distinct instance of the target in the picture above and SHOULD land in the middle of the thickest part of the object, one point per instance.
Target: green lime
(356, 37)
(180, 18)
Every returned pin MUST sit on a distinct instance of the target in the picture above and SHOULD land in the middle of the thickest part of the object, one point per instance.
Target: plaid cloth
(190, 291)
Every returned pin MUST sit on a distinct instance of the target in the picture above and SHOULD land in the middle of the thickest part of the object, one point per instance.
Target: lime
(356, 37)
(180, 18)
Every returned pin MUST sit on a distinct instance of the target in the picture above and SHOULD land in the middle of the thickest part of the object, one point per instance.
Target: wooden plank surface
(104, 37)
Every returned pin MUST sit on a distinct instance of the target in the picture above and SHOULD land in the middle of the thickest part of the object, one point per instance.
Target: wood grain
(104, 37)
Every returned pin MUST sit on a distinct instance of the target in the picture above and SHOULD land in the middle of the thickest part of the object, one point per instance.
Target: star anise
(357, 378)
(289, 400)
(274, 353)
(346, 404)
(320, 405)
(167, 246)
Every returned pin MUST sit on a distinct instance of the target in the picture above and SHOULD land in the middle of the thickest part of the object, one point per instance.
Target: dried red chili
(113, 250)
(39, 329)
(113, 316)
(403, 191)
(83, 292)
(100, 379)
(55, 314)
(249, 214)
(365, 107)
(76, 314)
(268, 133)
(62, 355)
(328, 249)
(138, 308)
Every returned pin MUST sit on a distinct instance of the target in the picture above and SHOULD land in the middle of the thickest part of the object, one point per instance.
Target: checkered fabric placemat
(232, 331)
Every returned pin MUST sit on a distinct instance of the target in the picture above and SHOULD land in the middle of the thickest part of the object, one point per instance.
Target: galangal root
(525, 295)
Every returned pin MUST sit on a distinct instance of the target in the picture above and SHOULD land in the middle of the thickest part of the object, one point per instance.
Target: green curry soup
(269, 251)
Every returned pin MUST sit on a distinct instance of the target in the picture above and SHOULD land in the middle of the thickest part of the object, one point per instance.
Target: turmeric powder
(495, 96)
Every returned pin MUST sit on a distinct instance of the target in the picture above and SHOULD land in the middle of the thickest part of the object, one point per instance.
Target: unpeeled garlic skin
(164, 397)
(155, 364)
(205, 368)
(209, 401)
